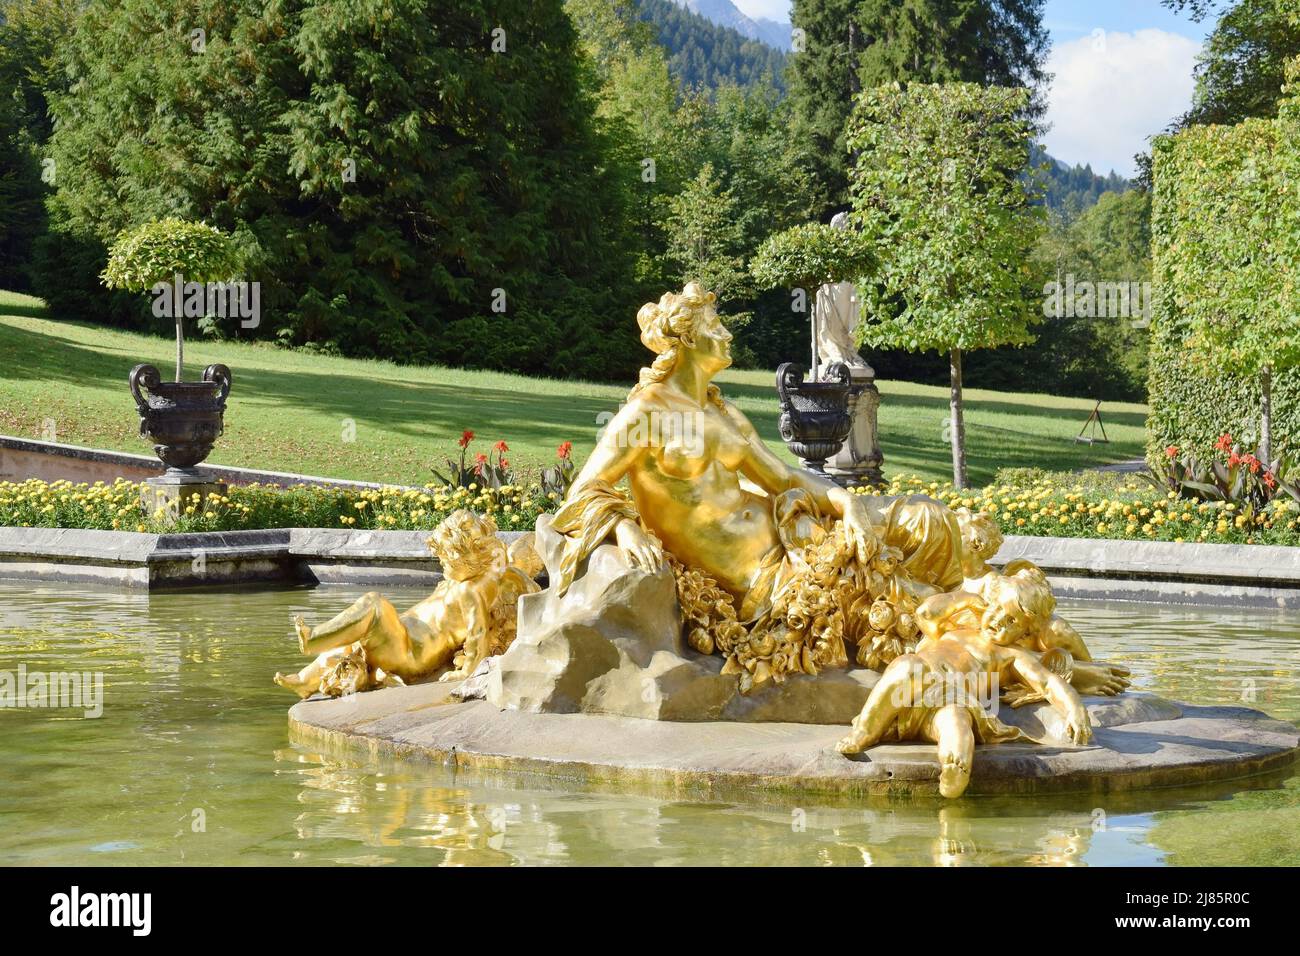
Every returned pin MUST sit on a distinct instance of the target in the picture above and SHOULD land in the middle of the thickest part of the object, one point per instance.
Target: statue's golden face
(1004, 621)
(712, 341)
(980, 534)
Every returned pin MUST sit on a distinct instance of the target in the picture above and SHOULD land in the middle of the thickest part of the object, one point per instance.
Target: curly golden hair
(467, 542)
(667, 327)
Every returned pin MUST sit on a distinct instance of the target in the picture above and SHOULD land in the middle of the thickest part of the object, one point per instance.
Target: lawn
(293, 411)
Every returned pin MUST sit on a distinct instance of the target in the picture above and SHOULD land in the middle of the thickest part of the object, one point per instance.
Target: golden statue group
(779, 572)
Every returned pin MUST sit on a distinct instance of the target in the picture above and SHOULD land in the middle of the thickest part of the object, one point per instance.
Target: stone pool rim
(717, 757)
(1265, 576)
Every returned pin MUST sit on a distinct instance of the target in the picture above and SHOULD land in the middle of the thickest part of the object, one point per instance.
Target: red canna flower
(1224, 443)
(565, 450)
(1234, 459)
(504, 463)
(1270, 480)
(1172, 451)
(466, 437)
(1252, 463)
(501, 446)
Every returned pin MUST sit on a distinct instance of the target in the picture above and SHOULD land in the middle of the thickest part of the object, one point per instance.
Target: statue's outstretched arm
(614, 456)
(765, 469)
(593, 509)
(1056, 691)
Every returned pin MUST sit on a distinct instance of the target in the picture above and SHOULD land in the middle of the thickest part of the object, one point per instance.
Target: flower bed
(61, 504)
(1022, 502)
(1102, 505)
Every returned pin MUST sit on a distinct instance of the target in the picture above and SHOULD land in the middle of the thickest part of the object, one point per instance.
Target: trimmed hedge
(1191, 408)
(1223, 251)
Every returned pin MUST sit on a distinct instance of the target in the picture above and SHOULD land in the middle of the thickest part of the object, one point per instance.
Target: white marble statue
(836, 319)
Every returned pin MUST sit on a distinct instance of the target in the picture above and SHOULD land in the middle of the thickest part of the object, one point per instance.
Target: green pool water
(191, 762)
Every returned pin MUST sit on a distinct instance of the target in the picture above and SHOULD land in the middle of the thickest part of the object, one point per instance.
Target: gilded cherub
(468, 617)
(937, 693)
(1061, 646)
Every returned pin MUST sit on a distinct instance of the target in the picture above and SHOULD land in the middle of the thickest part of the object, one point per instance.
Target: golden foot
(303, 631)
(294, 683)
(849, 745)
(953, 777)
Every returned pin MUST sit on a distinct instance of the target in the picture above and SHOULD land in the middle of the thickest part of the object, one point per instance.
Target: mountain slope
(725, 13)
(703, 54)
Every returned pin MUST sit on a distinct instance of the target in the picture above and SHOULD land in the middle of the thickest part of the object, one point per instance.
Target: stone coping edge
(1164, 571)
(56, 451)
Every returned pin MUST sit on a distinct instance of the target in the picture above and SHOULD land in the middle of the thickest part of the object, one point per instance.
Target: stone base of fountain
(1141, 742)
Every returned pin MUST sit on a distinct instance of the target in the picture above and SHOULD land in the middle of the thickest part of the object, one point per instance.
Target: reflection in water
(191, 763)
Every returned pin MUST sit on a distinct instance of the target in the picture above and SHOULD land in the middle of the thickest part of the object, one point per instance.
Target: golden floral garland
(828, 602)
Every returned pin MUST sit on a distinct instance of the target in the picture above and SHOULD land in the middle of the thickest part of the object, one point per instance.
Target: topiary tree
(809, 256)
(806, 257)
(151, 257)
(941, 195)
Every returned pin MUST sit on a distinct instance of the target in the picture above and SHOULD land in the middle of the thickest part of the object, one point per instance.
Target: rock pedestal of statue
(858, 461)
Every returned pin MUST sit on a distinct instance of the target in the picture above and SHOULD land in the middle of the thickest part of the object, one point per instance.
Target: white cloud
(1111, 91)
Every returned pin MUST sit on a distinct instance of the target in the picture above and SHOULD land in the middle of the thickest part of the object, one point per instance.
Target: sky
(1122, 71)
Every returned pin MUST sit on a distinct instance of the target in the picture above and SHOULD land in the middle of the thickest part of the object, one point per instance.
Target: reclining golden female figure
(935, 693)
(707, 490)
(468, 617)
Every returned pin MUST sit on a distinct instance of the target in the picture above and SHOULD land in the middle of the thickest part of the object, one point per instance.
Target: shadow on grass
(420, 411)
(25, 311)
(402, 407)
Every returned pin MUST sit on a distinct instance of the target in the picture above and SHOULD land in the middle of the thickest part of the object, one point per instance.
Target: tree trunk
(1266, 416)
(180, 345)
(957, 424)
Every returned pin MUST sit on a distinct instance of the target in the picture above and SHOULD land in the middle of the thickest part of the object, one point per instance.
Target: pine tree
(851, 45)
(414, 181)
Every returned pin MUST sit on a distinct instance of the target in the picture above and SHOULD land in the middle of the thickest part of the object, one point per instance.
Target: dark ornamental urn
(815, 418)
(182, 419)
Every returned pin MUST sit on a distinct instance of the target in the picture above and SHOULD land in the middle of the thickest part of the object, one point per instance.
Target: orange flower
(466, 437)
(501, 446)
(565, 450)
(1171, 451)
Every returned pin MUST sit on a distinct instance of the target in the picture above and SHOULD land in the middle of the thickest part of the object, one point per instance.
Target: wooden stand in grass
(1091, 425)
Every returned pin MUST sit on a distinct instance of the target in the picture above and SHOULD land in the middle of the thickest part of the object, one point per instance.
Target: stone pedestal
(176, 489)
(858, 461)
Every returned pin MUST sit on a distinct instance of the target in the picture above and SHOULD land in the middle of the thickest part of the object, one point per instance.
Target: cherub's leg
(307, 681)
(1059, 633)
(890, 695)
(370, 616)
(956, 739)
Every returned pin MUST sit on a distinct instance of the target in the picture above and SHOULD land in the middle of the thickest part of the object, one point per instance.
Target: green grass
(289, 411)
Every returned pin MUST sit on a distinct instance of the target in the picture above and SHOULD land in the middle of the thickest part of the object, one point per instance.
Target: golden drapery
(811, 593)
